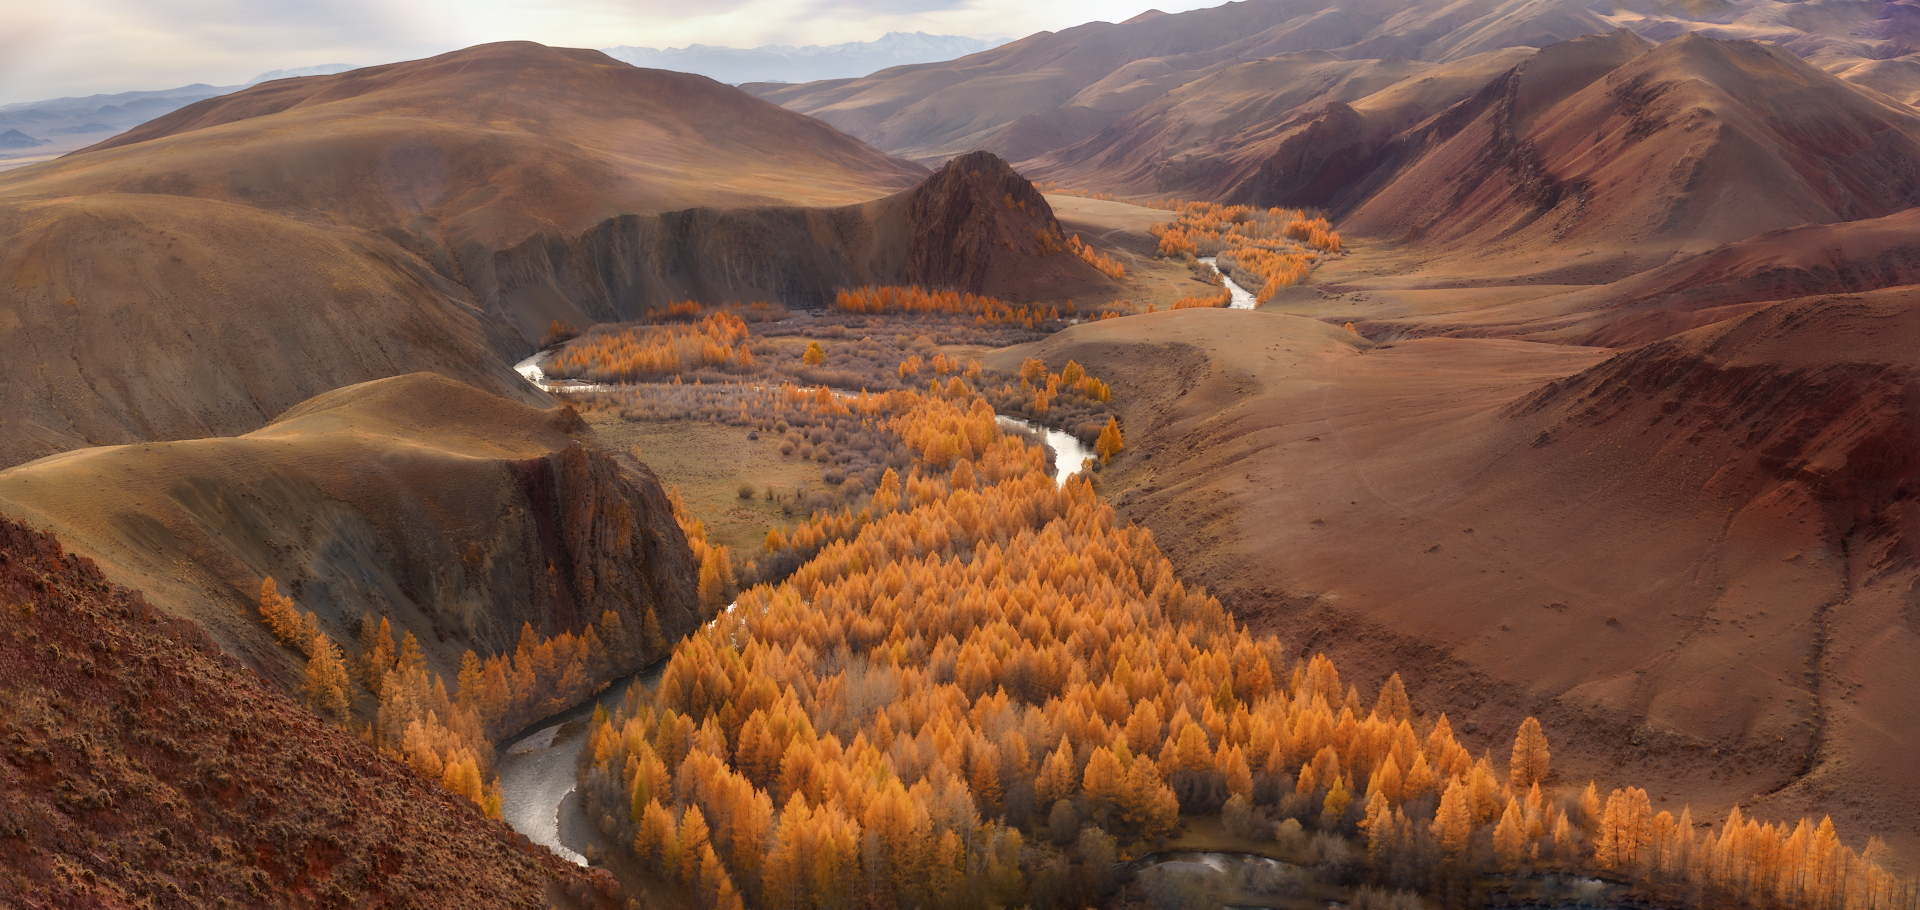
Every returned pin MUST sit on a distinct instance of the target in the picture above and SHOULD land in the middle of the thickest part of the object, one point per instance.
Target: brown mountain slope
(1898, 78)
(1692, 560)
(1538, 207)
(975, 225)
(144, 768)
(1305, 122)
(1695, 143)
(1053, 89)
(416, 498)
(482, 147)
(134, 317)
(940, 109)
(1699, 290)
(460, 157)
(1855, 256)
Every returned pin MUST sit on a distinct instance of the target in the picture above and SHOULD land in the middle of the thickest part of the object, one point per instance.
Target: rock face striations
(978, 226)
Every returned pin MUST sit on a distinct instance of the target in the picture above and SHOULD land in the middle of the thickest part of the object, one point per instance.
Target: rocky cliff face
(608, 532)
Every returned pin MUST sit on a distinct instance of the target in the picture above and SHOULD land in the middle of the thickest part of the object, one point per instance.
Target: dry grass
(707, 462)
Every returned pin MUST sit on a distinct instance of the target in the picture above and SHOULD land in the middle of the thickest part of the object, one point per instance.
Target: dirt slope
(1687, 292)
(458, 159)
(416, 497)
(974, 225)
(1293, 127)
(1898, 78)
(146, 769)
(1597, 195)
(1693, 561)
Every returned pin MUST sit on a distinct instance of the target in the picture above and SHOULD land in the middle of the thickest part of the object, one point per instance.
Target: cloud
(81, 47)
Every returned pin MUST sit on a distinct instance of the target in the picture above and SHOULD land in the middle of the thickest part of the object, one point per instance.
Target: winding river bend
(1243, 299)
(1068, 450)
(538, 767)
(539, 770)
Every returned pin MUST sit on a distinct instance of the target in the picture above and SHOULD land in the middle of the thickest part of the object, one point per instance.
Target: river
(530, 368)
(539, 766)
(1242, 298)
(1068, 451)
(539, 770)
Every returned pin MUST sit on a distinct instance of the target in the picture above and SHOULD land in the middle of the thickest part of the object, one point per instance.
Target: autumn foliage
(982, 656)
(894, 299)
(448, 734)
(1219, 299)
(651, 352)
(1107, 265)
(1272, 248)
(283, 619)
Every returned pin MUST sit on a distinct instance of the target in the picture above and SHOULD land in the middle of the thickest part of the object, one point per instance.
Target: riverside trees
(982, 664)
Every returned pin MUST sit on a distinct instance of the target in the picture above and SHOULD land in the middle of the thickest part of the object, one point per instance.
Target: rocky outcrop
(978, 226)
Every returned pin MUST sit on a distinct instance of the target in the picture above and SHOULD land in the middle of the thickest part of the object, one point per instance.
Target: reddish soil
(144, 768)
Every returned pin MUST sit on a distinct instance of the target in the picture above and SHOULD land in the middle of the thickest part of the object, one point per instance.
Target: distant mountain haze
(784, 63)
(74, 123)
(14, 139)
(324, 69)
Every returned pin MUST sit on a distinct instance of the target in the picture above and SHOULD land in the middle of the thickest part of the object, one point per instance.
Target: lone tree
(1109, 443)
(327, 677)
(815, 355)
(1529, 765)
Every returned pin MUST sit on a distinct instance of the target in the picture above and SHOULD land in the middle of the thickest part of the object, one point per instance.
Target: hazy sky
(82, 47)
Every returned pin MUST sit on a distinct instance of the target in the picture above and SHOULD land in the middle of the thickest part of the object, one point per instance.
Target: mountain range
(1051, 90)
